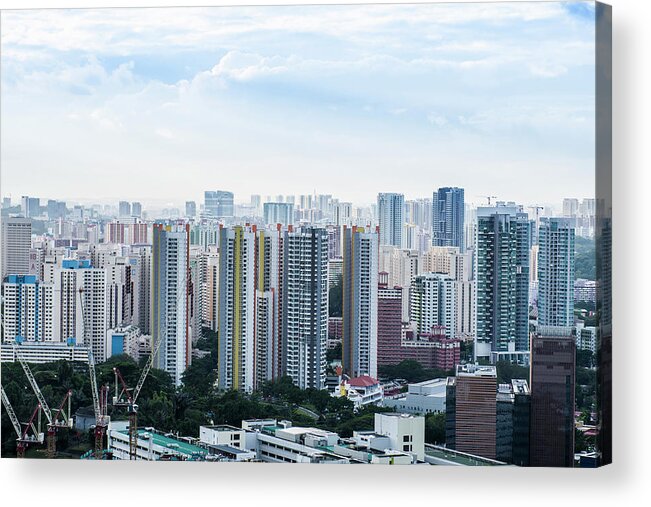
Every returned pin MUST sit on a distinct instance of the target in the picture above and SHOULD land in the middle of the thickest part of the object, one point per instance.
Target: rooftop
(363, 381)
(173, 444)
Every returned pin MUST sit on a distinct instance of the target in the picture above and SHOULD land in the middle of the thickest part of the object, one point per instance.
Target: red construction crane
(100, 403)
(54, 423)
(24, 436)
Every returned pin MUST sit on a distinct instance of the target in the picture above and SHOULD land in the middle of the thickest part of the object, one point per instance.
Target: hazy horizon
(164, 103)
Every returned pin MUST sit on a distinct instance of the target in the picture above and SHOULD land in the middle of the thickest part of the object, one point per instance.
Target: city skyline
(460, 95)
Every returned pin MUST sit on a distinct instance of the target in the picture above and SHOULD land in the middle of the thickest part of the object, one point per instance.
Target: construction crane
(100, 403)
(125, 397)
(53, 420)
(24, 438)
(488, 198)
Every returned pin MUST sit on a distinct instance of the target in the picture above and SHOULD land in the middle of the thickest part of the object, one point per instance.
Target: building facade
(359, 304)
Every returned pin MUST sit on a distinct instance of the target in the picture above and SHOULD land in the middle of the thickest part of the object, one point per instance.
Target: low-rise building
(39, 352)
(363, 390)
(152, 445)
(421, 398)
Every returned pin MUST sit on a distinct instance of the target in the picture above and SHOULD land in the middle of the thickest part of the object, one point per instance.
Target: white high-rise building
(305, 307)
(82, 292)
(16, 244)
(28, 312)
(360, 302)
(170, 298)
(433, 300)
(556, 272)
(236, 309)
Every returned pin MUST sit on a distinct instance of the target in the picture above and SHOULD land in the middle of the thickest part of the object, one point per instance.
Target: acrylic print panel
(308, 234)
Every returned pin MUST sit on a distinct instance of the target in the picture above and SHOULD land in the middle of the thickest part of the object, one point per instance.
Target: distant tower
(448, 213)
(391, 218)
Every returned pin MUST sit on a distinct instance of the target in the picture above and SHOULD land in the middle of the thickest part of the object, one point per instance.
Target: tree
(435, 428)
(334, 353)
(335, 297)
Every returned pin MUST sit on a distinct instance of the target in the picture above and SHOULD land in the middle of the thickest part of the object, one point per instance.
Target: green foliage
(335, 298)
(435, 428)
(585, 259)
(585, 358)
(507, 371)
(412, 371)
(334, 354)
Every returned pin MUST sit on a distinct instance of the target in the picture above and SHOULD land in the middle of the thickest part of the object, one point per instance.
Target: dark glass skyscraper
(553, 359)
(448, 211)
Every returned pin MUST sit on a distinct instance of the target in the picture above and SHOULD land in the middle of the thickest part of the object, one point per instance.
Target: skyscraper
(389, 322)
(553, 360)
(448, 210)
(305, 306)
(236, 309)
(219, 203)
(391, 218)
(171, 298)
(556, 272)
(502, 283)
(16, 244)
(360, 292)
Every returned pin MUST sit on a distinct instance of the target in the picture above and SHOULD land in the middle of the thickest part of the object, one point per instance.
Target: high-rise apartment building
(82, 293)
(448, 212)
(190, 209)
(391, 208)
(236, 309)
(305, 307)
(136, 209)
(28, 312)
(502, 283)
(389, 322)
(556, 272)
(269, 304)
(16, 245)
(552, 381)
(170, 308)
(360, 292)
(219, 203)
(433, 299)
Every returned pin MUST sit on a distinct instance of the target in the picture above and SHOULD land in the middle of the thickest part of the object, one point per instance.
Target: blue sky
(350, 100)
